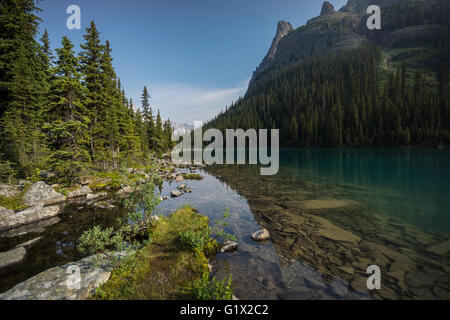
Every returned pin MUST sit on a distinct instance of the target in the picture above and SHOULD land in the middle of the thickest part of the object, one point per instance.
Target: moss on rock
(166, 268)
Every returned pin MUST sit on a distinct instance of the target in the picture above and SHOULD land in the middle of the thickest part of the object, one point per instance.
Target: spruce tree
(68, 128)
(90, 61)
(22, 83)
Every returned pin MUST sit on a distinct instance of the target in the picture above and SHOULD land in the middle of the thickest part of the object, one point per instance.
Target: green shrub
(204, 289)
(8, 172)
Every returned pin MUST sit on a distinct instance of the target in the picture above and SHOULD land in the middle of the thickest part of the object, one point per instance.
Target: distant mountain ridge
(337, 31)
(334, 82)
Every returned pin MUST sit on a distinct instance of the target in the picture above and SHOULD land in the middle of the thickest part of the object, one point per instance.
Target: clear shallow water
(412, 184)
(330, 212)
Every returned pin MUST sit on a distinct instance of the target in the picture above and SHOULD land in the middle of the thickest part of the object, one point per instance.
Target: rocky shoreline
(43, 204)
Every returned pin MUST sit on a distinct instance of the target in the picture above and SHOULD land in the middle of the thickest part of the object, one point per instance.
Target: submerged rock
(440, 249)
(30, 215)
(261, 235)
(36, 227)
(12, 257)
(80, 192)
(330, 231)
(41, 192)
(30, 243)
(62, 283)
(321, 204)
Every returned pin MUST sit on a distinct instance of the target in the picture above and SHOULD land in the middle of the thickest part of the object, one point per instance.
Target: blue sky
(195, 56)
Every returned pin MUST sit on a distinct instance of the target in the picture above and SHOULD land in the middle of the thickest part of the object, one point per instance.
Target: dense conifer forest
(66, 112)
(346, 99)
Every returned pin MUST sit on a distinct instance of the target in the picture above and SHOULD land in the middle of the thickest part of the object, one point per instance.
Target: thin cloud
(185, 103)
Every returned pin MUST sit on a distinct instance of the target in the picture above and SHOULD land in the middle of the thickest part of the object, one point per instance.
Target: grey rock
(283, 29)
(229, 247)
(261, 235)
(30, 243)
(327, 9)
(30, 215)
(313, 283)
(60, 283)
(41, 192)
(12, 257)
(80, 192)
(338, 288)
(8, 190)
(5, 212)
(104, 205)
(36, 227)
(175, 193)
(96, 196)
(124, 192)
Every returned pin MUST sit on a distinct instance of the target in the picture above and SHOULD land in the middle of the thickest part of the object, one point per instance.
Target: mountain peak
(283, 29)
(327, 9)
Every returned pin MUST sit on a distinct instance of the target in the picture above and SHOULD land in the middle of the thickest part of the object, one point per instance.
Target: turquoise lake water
(330, 212)
(412, 184)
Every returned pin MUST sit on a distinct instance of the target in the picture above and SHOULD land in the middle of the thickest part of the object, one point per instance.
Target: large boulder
(41, 192)
(62, 283)
(30, 215)
(80, 192)
(5, 212)
(8, 191)
(12, 257)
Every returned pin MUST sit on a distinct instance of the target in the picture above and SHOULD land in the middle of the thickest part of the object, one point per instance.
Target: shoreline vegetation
(145, 256)
(66, 112)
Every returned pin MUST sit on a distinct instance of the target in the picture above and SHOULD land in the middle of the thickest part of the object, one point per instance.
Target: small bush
(203, 289)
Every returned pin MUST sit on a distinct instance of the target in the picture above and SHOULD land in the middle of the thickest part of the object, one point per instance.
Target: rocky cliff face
(283, 30)
(361, 6)
(405, 24)
(327, 9)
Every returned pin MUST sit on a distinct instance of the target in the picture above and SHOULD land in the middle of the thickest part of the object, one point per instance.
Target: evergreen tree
(68, 128)
(148, 118)
(22, 85)
(158, 138)
(90, 61)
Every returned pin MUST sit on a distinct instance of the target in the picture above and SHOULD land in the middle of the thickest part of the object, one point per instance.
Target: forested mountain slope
(333, 82)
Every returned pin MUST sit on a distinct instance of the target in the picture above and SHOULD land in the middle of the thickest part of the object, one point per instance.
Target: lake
(331, 213)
